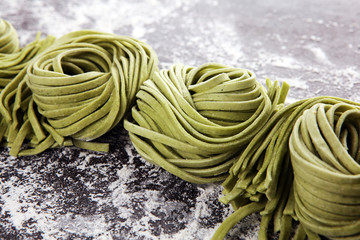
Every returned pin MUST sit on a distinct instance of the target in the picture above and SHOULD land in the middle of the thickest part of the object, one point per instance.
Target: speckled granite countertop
(76, 194)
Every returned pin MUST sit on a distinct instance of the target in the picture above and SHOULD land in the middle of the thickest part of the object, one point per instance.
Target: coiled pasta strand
(325, 153)
(12, 63)
(206, 124)
(9, 42)
(12, 58)
(263, 171)
(194, 121)
(75, 91)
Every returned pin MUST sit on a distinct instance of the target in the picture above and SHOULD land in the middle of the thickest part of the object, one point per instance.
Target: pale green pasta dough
(13, 58)
(9, 42)
(325, 155)
(12, 63)
(262, 179)
(203, 124)
(194, 121)
(75, 91)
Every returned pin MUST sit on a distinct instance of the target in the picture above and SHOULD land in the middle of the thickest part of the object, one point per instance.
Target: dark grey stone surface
(70, 193)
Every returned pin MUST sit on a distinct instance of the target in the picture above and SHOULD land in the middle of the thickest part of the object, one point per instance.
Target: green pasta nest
(9, 41)
(13, 59)
(84, 84)
(324, 152)
(325, 155)
(203, 124)
(194, 121)
(75, 91)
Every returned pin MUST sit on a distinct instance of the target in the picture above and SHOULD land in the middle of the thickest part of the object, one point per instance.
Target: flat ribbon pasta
(13, 59)
(194, 121)
(9, 42)
(262, 178)
(203, 124)
(75, 91)
(325, 154)
(12, 63)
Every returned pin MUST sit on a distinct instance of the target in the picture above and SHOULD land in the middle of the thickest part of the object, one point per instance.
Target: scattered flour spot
(139, 31)
(315, 38)
(104, 236)
(290, 99)
(201, 210)
(17, 200)
(285, 62)
(319, 54)
(295, 82)
(90, 225)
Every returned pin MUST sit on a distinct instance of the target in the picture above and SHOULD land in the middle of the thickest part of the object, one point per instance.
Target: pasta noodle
(204, 124)
(262, 176)
(9, 42)
(325, 155)
(75, 91)
(194, 121)
(12, 58)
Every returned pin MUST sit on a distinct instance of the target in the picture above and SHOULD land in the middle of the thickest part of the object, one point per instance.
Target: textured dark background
(76, 194)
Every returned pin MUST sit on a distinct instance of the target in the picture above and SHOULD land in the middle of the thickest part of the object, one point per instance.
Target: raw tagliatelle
(262, 179)
(325, 154)
(13, 59)
(299, 162)
(75, 91)
(194, 121)
(9, 41)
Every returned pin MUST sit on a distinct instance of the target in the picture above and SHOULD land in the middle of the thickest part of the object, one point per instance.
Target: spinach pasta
(13, 59)
(194, 121)
(211, 123)
(9, 41)
(75, 91)
(324, 148)
(264, 179)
